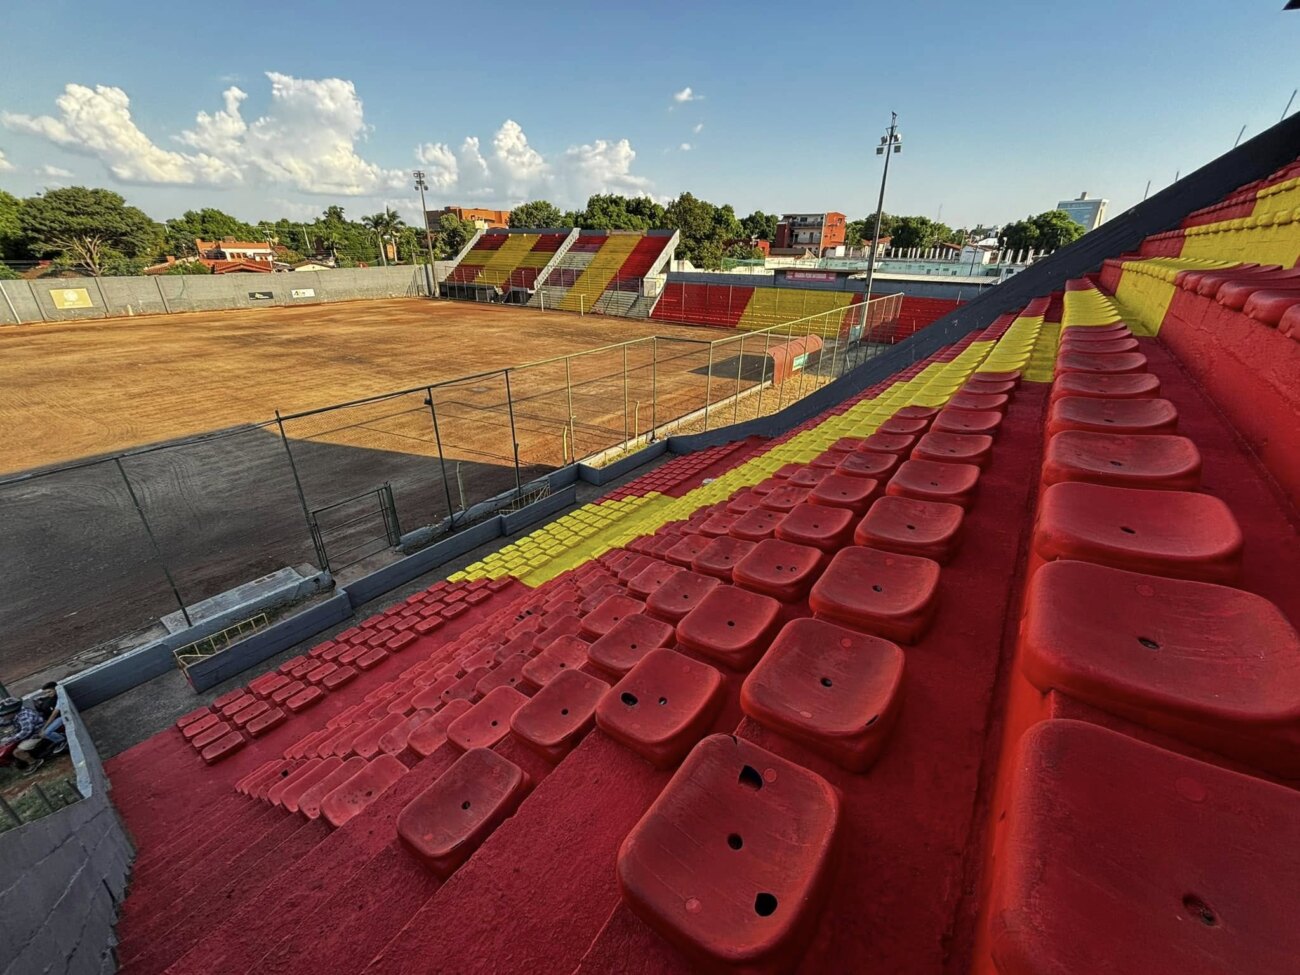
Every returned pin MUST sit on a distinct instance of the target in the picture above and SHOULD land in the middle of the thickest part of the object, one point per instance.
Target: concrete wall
(62, 877)
(34, 301)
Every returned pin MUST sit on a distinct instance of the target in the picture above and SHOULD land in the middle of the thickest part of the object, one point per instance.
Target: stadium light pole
(421, 185)
(891, 140)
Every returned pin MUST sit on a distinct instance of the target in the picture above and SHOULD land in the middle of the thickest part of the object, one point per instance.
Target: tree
(610, 211)
(759, 224)
(857, 232)
(538, 213)
(1048, 231)
(453, 234)
(333, 214)
(187, 267)
(375, 224)
(7, 273)
(704, 229)
(87, 226)
(12, 244)
(922, 232)
(208, 224)
(744, 251)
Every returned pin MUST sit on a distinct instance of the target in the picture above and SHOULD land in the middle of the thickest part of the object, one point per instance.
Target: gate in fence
(356, 528)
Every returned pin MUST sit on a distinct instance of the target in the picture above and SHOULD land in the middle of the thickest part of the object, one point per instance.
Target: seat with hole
(431, 735)
(1167, 533)
(730, 625)
(358, 792)
(467, 686)
(928, 480)
(685, 549)
(431, 696)
(951, 420)
(884, 593)
(288, 791)
(1148, 414)
(662, 706)
(679, 595)
(955, 448)
(559, 715)
(1104, 364)
(817, 525)
(605, 616)
(832, 689)
(720, 556)
(780, 569)
(651, 578)
(619, 650)
(756, 525)
(367, 743)
(868, 463)
(1153, 461)
(845, 491)
(1136, 385)
(508, 673)
(1116, 849)
(905, 425)
(978, 384)
(394, 742)
(811, 476)
(448, 821)
(487, 722)
(732, 862)
(930, 529)
(889, 443)
(309, 803)
(567, 653)
(784, 498)
(979, 402)
(1211, 665)
(718, 523)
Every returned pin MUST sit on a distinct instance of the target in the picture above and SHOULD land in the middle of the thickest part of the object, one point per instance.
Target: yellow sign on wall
(71, 298)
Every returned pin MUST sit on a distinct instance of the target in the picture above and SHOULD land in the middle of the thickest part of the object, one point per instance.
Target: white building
(1085, 212)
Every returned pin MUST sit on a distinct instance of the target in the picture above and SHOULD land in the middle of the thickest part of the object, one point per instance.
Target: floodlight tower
(421, 185)
(891, 140)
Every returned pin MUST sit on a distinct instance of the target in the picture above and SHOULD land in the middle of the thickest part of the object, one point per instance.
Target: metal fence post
(735, 400)
(625, 437)
(708, 388)
(302, 498)
(514, 440)
(654, 385)
(568, 385)
(442, 461)
(762, 379)
(153, 541)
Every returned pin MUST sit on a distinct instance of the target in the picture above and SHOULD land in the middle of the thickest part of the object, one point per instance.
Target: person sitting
(21, 726)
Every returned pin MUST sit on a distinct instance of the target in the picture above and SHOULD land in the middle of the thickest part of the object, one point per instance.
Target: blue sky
(1004, 107)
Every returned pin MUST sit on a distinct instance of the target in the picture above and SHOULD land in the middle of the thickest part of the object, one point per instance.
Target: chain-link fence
(94, 555)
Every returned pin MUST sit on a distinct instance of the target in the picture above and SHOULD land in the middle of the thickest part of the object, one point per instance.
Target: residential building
(816, 232)
(483, 219)
(1087, 213)
(227, 249)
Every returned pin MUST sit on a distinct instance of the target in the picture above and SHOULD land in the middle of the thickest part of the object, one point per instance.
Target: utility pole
(421, 185)
(891, 140)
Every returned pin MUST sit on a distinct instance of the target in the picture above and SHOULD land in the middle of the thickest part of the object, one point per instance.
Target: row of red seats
(1240, 203)
(638, 264)
(684, 473)
(702, 304)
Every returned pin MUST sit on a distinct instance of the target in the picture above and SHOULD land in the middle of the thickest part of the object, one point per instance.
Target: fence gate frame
(388, 511)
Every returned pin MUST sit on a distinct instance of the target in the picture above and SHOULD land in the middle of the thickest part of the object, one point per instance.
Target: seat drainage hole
(826, 682)
(631, 646)
(1149, 643)
(629, 699)
(734, 841)
(911, 528)
(731, 622)
(877, 588)
(1126, 530)
(465, 804)
(750, 778)
(1116, 463)
(494, 724)
(564, 711)
(1200, 910)
(765, 905)
(663, 701)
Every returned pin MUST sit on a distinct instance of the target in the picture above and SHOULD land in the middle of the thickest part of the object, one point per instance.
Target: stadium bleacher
(990, 667)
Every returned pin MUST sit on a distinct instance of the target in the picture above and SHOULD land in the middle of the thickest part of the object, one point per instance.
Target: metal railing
(102, 548)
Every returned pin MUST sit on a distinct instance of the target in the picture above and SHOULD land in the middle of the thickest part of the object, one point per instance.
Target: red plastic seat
(264, 723)
(309, 802)
(1210, 665)
(1121, 856)
(844, 491)
(810, 477)
(978, 384)
(780, 569)
(223, 747)
(358, 792)
(1145, 415)
(560, 714)
(394, 742)
(967, 421)
(651, 578)
(1153, 461)
(446, 823)
(1235, 294)
(198, 726)
(684, 551)
(834, 690)
(730, 625)
(1289, 323)
(928, 480)
(1270, 306)
(566, 653)
(488, 721)
(889, 443)
(929, 529)
(1094, 347)
(885, 593)
(1122, 386)
(906, 425)
(1010, 376)
(619, 650)
(508, 673)
(733, 860)
(718, 523)
(868, 463)
(960, 448)
(1102, 333)
(679, 595)
(720, 556)
(784, 498)
(662, 706)
(756, 525)
(1113, 364)
(467, 686)
(817, 525)
(825, 461)
(289, 790)
(209, 734)
(605, 616)
(740, 502)
(979, 402)
(1168, 533)
(431, 734)
(846, 444)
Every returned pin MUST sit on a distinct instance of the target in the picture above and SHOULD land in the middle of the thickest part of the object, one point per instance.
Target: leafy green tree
(759, 224)
(87, 227)
(453, 234)
(909, 232)
(704, 229)
(744, 251)
(611, 211)
(333, 214)
(7, 273)
(538, 213)
(208, 224)
(187, 267)
(375, 224)
(857, 232)
(12, 244)
(1048, 231)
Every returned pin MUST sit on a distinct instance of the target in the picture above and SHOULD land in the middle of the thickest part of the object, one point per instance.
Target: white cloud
(684, 147)
(699, 127)
(686, 95)
(306, 141)
(53, 172)
(5, 164)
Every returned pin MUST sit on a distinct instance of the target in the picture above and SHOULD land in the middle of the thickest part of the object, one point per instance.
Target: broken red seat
(605, 616)
(890, 443)
(1167, 533)
(467, 686)
(651, 578)
(784, 498)
(619, 650)
(930, 529)
(780, 569)
(309, 803)
(905, 425)
(679, 595)
(488, 721)
(1122, 386)
(928, 480)
(204, 722)
(884, 593)
(427, 737)
(1211, 665)
(955, 448)
(1095, 347)
(1104, 364)
(868, 463)
(967, 422)
(1182, 861)
(567, 653)
(508, 673)
(1152, 461)
(209, 734)
(223, 747)
(979, 402)
(756, 525)
(558, 716)
(446, 823)
(817, 525)
(1146, 415)
(257, 783)
(845, 491)
(719, 557)
(731, 625)
(832, 689)
(662, 706)
(732, 862)
(358, 792)
(685, 551)
(286, 792)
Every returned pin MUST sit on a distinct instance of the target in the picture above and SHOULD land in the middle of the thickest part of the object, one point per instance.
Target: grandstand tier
(772, 707)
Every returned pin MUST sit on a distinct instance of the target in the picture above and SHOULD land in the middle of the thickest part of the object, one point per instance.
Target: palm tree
(333, 213)
(377, 223)
(393, 227)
